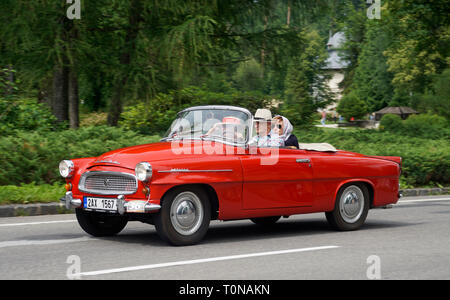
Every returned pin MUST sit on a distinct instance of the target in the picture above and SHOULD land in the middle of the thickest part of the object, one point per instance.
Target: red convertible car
(205, 168)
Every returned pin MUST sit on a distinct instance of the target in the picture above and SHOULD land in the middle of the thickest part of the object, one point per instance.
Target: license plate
(95, 203)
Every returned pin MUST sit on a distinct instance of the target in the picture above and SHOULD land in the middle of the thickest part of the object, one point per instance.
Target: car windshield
(227, 125)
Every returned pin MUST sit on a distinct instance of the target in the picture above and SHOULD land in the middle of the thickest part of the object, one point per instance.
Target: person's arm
(292, 141)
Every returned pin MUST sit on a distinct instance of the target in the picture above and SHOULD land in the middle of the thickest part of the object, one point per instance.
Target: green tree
(372, 80)
(351, 106)
(306, 88)
(436, 99)
(351, 20)
(249, 76)
(421, 31)
(42, 43)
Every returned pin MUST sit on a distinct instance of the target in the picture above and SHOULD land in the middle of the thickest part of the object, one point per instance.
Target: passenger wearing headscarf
(283, 128)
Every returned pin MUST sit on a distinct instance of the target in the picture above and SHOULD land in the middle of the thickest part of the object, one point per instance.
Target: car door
(277, 178)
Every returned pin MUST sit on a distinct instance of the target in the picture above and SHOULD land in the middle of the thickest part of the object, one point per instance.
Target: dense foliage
(25, 114)
(125, 52)
(424, 126)
(120, 52)
(398, 58)
(160, 111)
(34, 156)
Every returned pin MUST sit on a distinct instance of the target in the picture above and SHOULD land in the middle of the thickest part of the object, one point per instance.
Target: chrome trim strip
(242, 145)
(194, 171)
(82, 181)
(303, 160)
(106, 162)
(217, 107)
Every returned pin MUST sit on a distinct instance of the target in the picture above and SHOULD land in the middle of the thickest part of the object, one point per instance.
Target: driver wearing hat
(263, 126)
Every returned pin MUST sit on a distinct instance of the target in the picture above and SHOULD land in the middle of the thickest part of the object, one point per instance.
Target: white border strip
(199, 261)
(36, 223)
(423, 200)
(23, 243)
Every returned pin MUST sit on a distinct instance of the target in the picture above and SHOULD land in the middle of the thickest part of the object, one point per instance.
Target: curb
(425, 192)
(39, 209)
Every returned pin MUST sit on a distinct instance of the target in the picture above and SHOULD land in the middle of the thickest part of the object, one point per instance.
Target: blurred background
(82, 78)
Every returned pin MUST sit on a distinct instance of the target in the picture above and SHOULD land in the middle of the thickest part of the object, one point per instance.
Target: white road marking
(423, 200)
(205, 260)
(36, 223)
(43, 242)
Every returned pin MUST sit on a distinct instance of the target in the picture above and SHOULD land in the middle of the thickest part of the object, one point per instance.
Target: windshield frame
(219, 107)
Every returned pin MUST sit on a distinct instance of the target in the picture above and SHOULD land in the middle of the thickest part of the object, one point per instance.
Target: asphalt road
(409, 241)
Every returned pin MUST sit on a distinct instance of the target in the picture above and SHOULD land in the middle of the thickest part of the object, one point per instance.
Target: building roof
(399, 110)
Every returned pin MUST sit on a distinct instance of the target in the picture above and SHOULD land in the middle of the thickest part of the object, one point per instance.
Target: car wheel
(100, 224)
(266, 221)
(351, 208)
(184, 216)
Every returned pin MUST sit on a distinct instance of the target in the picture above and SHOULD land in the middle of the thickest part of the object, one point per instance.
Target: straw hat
(263, 115)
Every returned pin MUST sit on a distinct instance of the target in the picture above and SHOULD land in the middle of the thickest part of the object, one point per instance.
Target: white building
(335, 66)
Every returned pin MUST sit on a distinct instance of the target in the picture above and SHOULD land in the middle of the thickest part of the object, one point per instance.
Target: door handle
(306, 161)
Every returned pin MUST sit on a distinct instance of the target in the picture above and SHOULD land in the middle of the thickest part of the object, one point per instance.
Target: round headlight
(143, 171)
(66, 168)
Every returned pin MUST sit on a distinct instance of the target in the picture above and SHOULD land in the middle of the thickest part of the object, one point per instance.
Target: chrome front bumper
(122, 205)
(70, 202)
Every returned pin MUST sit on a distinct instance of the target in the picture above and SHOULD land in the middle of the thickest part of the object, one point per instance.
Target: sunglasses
(279, 126)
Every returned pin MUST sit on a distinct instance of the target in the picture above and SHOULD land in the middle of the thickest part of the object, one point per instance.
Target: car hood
(130, 156)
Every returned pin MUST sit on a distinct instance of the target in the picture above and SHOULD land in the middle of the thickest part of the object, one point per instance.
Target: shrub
(392, 123)
(25, 114)
(31, 193)
(34, 156)
(153, 117)
(352, 106)
(427, 126)
(157, 115)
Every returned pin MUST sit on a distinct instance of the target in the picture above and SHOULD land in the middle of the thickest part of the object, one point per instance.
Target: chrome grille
(108, 183)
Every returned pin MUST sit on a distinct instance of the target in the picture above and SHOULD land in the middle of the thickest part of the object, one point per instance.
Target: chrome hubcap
(351, 204)
(186, 213)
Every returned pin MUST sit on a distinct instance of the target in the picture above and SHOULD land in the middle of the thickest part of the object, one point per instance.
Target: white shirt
(267, 141)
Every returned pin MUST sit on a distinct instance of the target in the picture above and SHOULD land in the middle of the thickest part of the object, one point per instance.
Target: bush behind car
(34, 156)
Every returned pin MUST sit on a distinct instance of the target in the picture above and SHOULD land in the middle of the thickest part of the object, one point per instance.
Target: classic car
(206, 168)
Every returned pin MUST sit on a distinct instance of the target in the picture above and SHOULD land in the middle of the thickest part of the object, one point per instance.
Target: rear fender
(354, 180)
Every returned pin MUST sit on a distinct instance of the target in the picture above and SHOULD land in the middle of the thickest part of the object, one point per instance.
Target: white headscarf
(287, 129)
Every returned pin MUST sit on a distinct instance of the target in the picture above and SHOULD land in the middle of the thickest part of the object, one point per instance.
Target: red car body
(239, 186)
(246, 189)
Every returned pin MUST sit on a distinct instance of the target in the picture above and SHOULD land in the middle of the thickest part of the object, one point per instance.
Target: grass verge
(31, 193)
